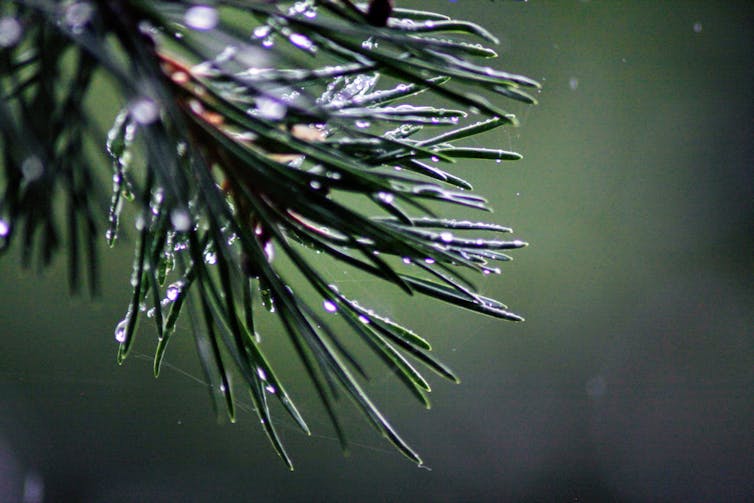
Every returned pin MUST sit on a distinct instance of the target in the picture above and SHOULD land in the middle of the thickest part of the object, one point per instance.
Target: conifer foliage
(256, 139)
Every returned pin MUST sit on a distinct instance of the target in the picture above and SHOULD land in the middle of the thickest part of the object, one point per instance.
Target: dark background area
(631, 380)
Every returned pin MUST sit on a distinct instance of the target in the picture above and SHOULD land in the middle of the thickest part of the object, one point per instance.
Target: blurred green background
(631, 380)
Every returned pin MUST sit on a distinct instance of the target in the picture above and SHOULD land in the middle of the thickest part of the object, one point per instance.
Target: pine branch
(247, 127)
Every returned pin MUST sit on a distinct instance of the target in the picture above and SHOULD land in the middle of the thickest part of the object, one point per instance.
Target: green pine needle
(246, 127)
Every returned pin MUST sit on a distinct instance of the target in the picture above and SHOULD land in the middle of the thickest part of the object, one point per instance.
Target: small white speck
(596, 387)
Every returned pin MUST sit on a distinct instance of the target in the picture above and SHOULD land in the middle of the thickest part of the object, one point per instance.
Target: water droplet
(180, 245)
(77, 15)
(329, 306)
(573, 83)
(698, 27)
(429, 260)
(301, 41)
(201, 17)
(270, 389)
(245, 136)
(174, 290)
(386, 197)
(268, 302)
(227, 54)
(434, 158)
(120, 330)
(362, 124)
(144, 110)
(210, 258)
(446, 237)
(139, 223)
(261, 373)
(10, 31)
(262, 31)
(4, 228)
(181, 219)
(32, 168)
(110, 235)
(269, 251)
(315, 185)
(364, 319)
(155, 204)
(270, 108)
(406, 260)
